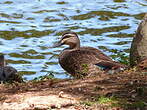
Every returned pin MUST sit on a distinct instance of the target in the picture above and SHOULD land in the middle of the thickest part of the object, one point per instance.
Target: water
(29, 27)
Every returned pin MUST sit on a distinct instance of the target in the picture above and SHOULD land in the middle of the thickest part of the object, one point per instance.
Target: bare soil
(75, 94)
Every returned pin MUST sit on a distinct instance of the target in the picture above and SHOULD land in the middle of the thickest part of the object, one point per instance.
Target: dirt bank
(127, 88)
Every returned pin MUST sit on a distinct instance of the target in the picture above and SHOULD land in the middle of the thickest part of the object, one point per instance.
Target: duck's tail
(111, 67)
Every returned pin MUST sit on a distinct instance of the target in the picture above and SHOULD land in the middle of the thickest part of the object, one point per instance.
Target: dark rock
(138, 50)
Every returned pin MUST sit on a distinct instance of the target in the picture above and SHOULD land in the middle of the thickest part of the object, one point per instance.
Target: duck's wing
(92, 55)
(97, 53)
(83, 55)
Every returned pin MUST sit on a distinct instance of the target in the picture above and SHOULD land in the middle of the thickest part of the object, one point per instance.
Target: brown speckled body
(83, 61)
(80, 60)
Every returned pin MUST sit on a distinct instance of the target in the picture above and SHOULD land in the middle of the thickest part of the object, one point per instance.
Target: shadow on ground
(128, 88)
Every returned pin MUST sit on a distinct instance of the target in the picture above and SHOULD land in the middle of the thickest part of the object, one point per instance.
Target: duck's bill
(58, 44)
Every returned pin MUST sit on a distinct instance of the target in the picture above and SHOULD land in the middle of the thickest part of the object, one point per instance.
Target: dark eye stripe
(69, 34)
(65, 36)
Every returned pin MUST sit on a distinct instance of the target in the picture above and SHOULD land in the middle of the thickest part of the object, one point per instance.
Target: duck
(7, 73)
(84, 61)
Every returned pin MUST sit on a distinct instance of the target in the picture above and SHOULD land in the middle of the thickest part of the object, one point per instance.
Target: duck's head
(69, 38)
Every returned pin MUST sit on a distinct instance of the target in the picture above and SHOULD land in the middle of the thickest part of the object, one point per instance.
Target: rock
(143, 65)
(27, 101)
(138, 51)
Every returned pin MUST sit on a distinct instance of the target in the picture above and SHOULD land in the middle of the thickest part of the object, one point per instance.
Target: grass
(42, 78)
(120, 56)
(102, 100)
(112, 102)
(107, 100)
(139, 105)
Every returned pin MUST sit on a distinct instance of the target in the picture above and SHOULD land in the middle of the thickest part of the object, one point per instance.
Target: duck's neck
(2, 61)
